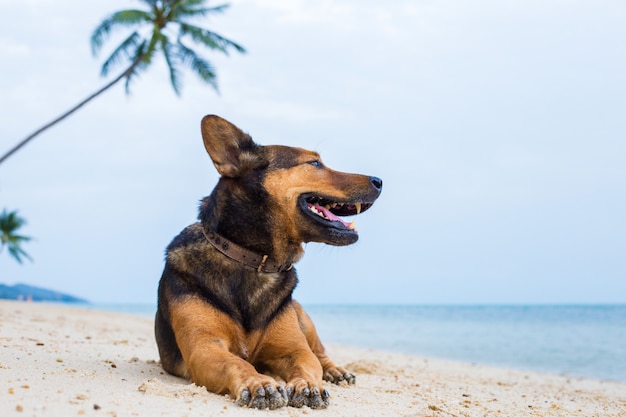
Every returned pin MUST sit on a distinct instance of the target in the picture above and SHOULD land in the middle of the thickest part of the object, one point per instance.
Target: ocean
(578, 341)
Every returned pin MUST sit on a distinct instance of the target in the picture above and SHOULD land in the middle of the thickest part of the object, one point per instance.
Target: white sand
(63, 361)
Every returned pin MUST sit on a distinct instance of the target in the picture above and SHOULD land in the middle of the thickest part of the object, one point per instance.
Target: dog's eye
(315, 163)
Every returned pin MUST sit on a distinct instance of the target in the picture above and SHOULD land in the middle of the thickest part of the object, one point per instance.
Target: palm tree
(9, 224)
(167, 28)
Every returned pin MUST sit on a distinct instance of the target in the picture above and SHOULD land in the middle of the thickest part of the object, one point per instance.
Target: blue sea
(579, 341)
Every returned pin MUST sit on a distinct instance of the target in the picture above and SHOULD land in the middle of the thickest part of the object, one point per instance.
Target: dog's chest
(262, 297)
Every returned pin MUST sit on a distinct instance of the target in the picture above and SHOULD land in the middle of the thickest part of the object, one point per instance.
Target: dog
(226, 319)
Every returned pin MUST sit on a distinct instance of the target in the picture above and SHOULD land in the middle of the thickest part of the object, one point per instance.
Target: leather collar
(262, 263)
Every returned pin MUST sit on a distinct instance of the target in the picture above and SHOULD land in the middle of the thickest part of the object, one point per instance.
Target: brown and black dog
(225, 317)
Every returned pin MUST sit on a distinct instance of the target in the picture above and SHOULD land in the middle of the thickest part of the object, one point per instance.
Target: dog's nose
(377, 183)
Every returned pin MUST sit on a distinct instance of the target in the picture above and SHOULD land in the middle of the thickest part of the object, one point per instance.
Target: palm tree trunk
(128, 71)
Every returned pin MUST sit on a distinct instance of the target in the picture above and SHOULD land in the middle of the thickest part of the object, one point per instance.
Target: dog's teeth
(316, 211)
(327, 206)
(352, 226)
(358, 208)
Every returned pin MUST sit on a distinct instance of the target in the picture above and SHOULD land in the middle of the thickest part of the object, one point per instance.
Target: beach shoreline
(59, 360)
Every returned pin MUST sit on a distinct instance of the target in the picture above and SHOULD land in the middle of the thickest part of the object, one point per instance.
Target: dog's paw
(263, 397)
(301, 393)
(337, 375)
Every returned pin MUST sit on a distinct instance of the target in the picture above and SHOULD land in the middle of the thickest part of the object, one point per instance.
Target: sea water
(586, 341)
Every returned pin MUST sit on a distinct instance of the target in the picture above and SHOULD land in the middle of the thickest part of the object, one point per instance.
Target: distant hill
(27, 292)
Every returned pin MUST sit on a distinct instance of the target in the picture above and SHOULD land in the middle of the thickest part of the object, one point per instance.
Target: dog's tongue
(330, 216)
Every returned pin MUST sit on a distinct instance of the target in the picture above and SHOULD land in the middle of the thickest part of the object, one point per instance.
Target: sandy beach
(59, 360)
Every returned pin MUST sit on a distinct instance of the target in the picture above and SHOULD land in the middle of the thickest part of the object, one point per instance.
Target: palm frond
(19, 239)
(121, 18)
(17, 253)
(140, 67)
(125, 50)
(163, 16)
(155, 40)
(209, 39)
(200, 66)
(131, 16)
(171, 64)
(10, 222)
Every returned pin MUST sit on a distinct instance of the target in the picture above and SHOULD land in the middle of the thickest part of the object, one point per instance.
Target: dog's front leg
(332, 373)
(284, 351)
(214, 352)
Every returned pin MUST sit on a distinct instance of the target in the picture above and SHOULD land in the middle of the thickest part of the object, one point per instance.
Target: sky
(498, 128)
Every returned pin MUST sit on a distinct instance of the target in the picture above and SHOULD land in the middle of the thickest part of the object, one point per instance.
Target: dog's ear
(231, 150)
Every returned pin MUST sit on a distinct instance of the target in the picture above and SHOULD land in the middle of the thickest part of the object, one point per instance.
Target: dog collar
(261, 263)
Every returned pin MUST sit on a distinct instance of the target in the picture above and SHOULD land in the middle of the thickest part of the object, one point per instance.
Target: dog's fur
(229, 326)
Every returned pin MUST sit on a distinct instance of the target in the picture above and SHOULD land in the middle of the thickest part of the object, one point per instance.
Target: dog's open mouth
(327, 210)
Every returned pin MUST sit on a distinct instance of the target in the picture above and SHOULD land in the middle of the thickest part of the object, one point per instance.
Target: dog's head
(305, 199)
